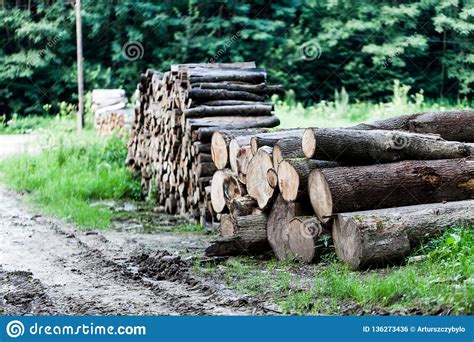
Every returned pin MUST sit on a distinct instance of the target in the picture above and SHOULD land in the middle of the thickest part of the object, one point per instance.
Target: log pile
(110, 112)
(176, 115)
(373, 191)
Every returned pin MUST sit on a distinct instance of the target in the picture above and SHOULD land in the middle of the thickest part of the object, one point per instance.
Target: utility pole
(80, 71)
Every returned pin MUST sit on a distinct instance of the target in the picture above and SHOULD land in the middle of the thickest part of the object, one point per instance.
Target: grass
(341, 113)
(71, 171)
(444, 279)
(24, 125)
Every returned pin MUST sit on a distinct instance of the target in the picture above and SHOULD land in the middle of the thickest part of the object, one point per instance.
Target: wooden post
(80, 72)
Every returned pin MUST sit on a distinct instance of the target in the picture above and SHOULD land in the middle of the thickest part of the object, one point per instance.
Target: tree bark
(237, 110)
(271, 138)
(246, 235)
(380, 237)
(287, 148)
(455, 125)
(345, 189)
(207, 126)
(244, 206)
(358, 147)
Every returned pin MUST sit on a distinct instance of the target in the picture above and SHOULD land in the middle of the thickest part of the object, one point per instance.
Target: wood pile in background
(176, 115)
(110, 112)
(375, 190)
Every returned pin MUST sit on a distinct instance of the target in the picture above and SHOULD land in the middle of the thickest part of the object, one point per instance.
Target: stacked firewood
(372, 191)
(116, 121)
(176, 114)
(110, 112)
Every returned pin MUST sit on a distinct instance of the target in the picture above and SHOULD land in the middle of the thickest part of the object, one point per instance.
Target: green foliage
(425, 44)
(340, 113)
(71, 172)
(445, 278)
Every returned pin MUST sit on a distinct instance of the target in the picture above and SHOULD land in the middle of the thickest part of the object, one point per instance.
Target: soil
(49, 267)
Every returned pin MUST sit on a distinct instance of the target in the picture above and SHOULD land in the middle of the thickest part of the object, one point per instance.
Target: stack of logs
(110, 112)
(176, 114)
(371, 190)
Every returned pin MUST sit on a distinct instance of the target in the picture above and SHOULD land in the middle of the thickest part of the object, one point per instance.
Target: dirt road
(50, 267)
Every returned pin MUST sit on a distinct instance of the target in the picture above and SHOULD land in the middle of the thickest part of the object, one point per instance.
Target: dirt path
(49, 267)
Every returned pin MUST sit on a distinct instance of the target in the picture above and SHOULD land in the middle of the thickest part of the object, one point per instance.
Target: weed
(71, 171)
(445, 278)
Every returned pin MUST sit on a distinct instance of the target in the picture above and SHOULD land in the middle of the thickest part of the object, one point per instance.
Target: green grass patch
(342, 112)
(24, 125)
(444, 279)
(72, 171)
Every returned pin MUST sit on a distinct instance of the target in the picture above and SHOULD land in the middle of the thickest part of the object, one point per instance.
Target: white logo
(15, 329)
(133, 50)
(310, 50)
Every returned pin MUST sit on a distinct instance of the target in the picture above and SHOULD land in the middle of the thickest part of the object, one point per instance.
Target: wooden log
(281, 214)
(218, 103)
(220, 144)
(224, 186)
(287, 148)
(380, 237)
(271, 138)
(207, 126)
(247, 236)
(358, 147)
(293, 175)
(254, 78)
(344, 189)
(243, 206)
(256, 178)
(455, 125)
(237, 110)
(222, 94)
(307, 239)
(261, 88)
(242, 161)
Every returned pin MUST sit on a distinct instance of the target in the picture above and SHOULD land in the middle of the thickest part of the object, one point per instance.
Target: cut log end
(227, 226)
(320, 195)
(302, 235)
(272, 178)
(277, 156)
(219, 151)
(253, 145)
(288, 181)
(347, 242)
(309, 143)
(217, 191)
(257, 184)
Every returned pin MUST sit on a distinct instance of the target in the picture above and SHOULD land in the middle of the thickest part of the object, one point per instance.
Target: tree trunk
(455, 125)
(380, 237)
(287, 148)
(307, 238)
(344, 189)
(204, 128)
(358, 147)
(277, 227)
(248, 234)
(293, 175)
(244, 206)
(271, 138)
(236, 110)
(261, 88)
